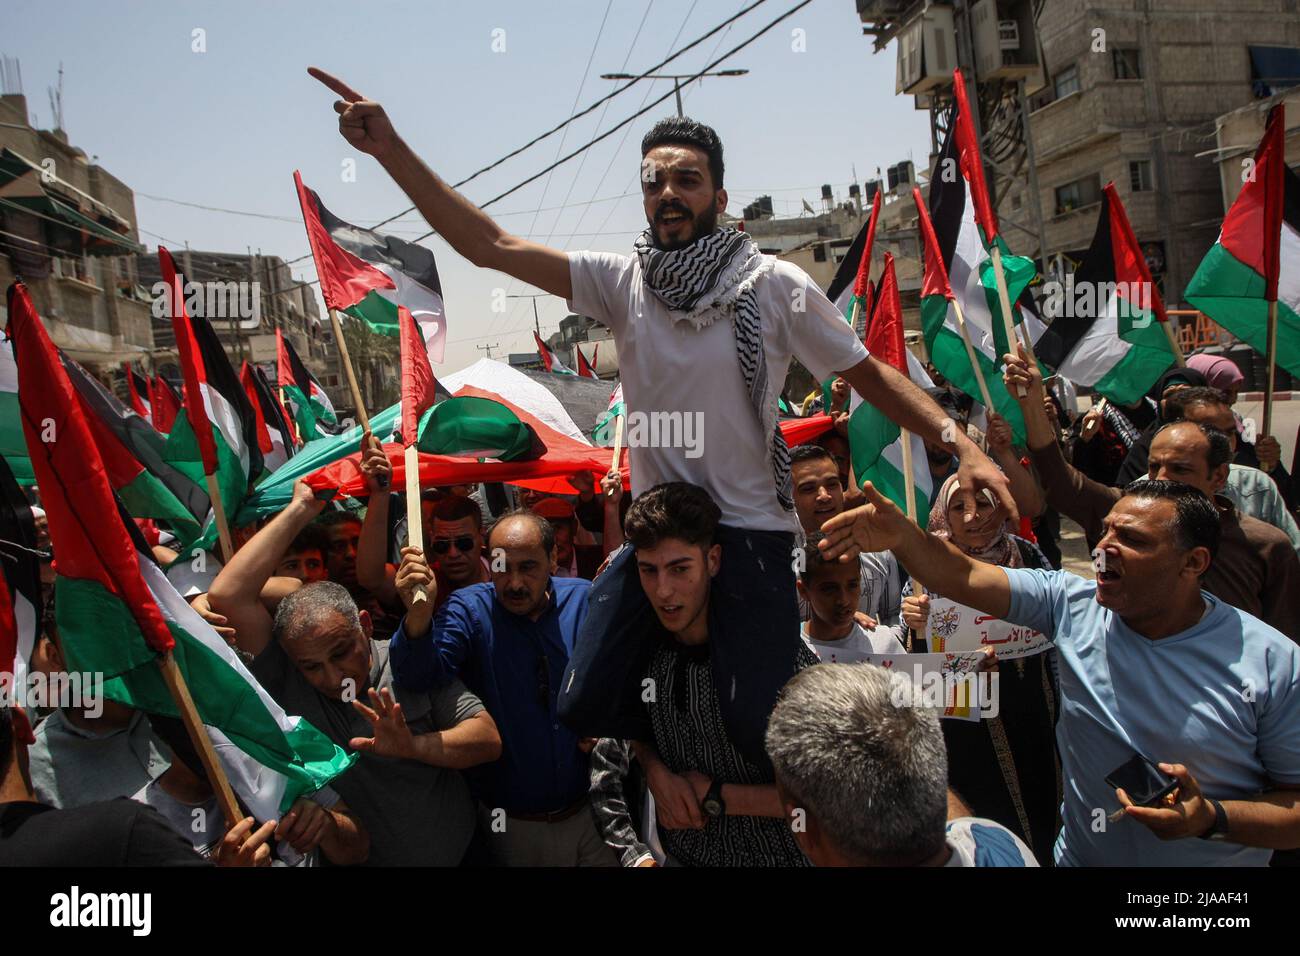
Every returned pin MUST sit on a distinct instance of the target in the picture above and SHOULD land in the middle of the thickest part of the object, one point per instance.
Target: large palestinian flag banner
(368, 274)
(1257, 256)
(1106, 319)
(117, 614)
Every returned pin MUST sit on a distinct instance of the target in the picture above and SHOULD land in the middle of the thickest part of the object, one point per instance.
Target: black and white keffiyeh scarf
(714, 277)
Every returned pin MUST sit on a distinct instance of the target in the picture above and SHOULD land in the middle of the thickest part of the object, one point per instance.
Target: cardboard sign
(957, 628)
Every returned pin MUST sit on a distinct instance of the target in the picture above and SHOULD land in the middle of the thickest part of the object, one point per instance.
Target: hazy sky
(227, 127)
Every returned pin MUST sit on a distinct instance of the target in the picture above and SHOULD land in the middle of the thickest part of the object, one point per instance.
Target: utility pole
(677, 78)
(537, 325)
(488, 348)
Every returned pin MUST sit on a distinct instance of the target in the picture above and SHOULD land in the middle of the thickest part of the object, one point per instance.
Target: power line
(584, 112)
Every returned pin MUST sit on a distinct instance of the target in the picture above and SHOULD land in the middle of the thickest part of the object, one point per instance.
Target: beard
(700, 225)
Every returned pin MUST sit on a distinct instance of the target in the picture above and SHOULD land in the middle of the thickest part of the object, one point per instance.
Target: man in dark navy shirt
(510, 641)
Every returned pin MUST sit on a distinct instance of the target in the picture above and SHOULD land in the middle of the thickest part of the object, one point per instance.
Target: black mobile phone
(1145, 783)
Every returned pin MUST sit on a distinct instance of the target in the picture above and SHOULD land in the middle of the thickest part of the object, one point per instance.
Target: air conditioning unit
(927, 52)
(1002, 32)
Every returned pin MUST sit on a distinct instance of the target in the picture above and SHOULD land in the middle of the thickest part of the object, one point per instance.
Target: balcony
(1063, 127)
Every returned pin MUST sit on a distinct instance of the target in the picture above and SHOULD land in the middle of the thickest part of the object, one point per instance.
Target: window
(1139, 176)
(1066, 82)
(1127, 62)
(1080, 193)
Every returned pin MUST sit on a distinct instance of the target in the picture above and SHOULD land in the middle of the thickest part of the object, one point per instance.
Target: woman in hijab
(1005, 767)
(1135, 465)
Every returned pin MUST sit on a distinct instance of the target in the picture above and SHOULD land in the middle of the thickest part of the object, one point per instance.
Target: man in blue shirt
(1149, 664)
(510, 640)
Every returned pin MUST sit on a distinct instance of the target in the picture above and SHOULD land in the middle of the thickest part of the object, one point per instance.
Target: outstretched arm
(903, 402)
(468, 229)
(237, 592)
(880, 526)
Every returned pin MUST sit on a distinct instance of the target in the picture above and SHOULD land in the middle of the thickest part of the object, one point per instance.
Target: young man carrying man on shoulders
(705, 327)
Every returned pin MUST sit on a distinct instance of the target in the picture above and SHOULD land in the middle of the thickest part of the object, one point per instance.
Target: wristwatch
(713, 805)
(1219, 828)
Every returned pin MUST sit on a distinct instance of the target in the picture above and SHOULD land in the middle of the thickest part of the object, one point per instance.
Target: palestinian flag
(875, 442)
(368, 275)
(852, 282)
(117, 613)
(1257, 257)
(1105, 332)
(216, 431)
(274, 438)
(304, 397)
(136, 459)
(418, 384)
(586, 369)
(604, 433)
(137, 388)
(164, 402)
(13, 448)
(550, 360)
(964, 230)
(21, 604)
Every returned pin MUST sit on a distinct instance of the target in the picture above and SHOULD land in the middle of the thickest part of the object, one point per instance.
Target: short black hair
(1176, 403)
(331, 518)
(544, 527)
(1220, 450)
(684, 131)
(814, 563)
(311, 538)
(809, 452)
(1196, 519)
(675, 509)
(456, 508)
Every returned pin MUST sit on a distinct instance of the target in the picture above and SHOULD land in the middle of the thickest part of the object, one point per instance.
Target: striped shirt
(690, 735)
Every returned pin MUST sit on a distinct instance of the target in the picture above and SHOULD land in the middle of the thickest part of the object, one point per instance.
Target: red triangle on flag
(86, 528)
(885, 334)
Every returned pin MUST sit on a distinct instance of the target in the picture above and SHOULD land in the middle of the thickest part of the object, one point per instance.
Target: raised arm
(237, 591)
(468, 230)
(1024, 488)
(374, 573)
(1067, 489)
(904, 403)
(880, 526)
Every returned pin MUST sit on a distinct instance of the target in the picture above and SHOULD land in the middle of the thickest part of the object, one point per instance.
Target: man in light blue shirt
(1149, 663)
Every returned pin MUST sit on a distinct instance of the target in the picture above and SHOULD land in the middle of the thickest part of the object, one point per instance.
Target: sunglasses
(443, 545)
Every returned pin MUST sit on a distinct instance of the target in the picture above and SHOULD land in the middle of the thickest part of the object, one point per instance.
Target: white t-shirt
(672, 367)
(856, 646)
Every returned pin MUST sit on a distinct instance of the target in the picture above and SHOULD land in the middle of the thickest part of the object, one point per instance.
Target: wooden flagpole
(219, 515)
(346, 362)
(909, 488)
(189, 714)
(414, 514)
(616, 462)
(970, 353)
(1270, 359)
(1004, 301)
(1179, 358)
